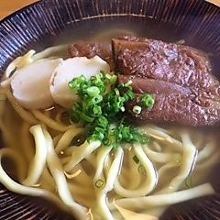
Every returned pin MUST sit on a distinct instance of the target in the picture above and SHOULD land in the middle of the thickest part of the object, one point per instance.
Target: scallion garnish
(99, 183)
(135, 159)
(101, 106)
(147, 100)
(137, 109)
(93, 91)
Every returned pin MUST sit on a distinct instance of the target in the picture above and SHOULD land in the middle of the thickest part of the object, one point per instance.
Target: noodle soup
(58, 158)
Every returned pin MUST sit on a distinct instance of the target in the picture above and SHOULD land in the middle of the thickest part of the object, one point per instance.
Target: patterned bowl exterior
(38, 25)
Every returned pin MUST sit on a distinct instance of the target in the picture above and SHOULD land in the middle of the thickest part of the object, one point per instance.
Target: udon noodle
(93, 181)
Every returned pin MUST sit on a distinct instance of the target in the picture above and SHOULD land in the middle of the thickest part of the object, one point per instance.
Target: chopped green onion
(84, 117)
(100, 108)
(135, 159)
(99, 183)
(142, 170)
(137, 109)
(117, 92)
(102, 122)
(76, 84)
(128, 83)
(147, 101)
(122, 108)
(96, 99)
(93, 91)
(96, 111)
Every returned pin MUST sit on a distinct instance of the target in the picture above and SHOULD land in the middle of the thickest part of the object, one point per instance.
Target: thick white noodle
(51, 51)
(189, 155)
(57, 172)
(160, 157)
(159, 134)
(114, 170)
(148, 184)
(145, 202)
(107, 165)
(81, 152)
(160, 129)
(15, 187)
(101, 156)
(39, 162)
(49, 121)
(128, 172)
(206, 152)
(166, 167)
(188, 161)
(67, 138)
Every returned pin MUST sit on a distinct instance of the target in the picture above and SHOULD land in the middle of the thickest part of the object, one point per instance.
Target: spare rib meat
(91, 49)
(180, 77)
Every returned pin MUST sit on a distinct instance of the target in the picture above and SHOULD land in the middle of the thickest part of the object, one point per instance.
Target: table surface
(9, 6)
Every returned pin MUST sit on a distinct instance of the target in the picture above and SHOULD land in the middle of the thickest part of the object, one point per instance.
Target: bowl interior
(53, 22)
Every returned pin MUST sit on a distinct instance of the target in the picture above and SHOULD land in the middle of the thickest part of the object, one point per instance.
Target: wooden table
(9, 6)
